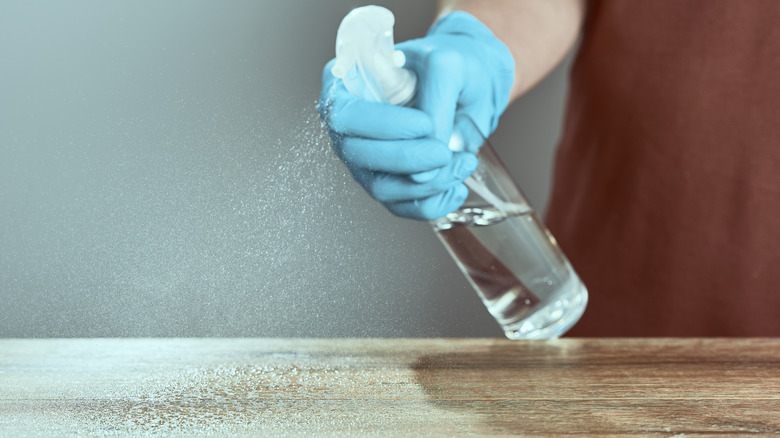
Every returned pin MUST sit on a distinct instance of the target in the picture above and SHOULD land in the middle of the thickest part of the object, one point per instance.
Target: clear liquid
(516, 268)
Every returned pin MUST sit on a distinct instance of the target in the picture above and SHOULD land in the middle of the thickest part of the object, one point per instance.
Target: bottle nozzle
(366, 59)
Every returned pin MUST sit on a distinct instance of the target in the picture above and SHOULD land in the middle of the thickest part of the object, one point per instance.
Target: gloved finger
(438, 89)
(348, 115)
(396, 157)
(466, 136)
(433, 207)
(423, 177)
(482, 125)
(440, 82)
(385, 187)
(381, 121)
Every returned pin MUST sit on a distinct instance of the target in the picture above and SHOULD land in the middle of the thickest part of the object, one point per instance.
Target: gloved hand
(400, 155)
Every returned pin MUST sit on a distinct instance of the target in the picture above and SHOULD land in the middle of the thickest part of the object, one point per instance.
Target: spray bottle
(495, 238)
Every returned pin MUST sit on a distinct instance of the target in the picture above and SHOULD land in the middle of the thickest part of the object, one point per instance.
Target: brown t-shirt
(666, 193)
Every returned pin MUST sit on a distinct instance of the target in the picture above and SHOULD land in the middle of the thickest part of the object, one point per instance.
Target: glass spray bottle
(496, 238)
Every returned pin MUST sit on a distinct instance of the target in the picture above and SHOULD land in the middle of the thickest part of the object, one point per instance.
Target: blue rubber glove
(400, 155)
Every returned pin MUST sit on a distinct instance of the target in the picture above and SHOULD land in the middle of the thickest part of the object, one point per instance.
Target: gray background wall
(163, 173)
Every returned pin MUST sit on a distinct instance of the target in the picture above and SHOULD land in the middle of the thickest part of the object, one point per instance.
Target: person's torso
(667, 182)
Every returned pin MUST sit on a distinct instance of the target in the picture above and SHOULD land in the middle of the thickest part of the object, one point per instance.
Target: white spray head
(366, 59)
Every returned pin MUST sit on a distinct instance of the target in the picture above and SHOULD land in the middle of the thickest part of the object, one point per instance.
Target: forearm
(539, 33)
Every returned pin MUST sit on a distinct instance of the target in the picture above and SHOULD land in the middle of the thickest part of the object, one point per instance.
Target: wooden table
(389, 387)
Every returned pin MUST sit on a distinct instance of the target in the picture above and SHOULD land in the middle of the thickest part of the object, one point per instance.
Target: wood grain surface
(389, 387)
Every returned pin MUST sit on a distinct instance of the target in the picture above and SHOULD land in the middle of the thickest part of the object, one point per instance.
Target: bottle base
(553, 320)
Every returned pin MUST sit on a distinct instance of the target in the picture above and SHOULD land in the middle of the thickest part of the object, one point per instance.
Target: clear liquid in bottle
(515, 266)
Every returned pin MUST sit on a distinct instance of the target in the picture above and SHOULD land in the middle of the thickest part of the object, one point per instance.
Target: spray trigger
(366, 59)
